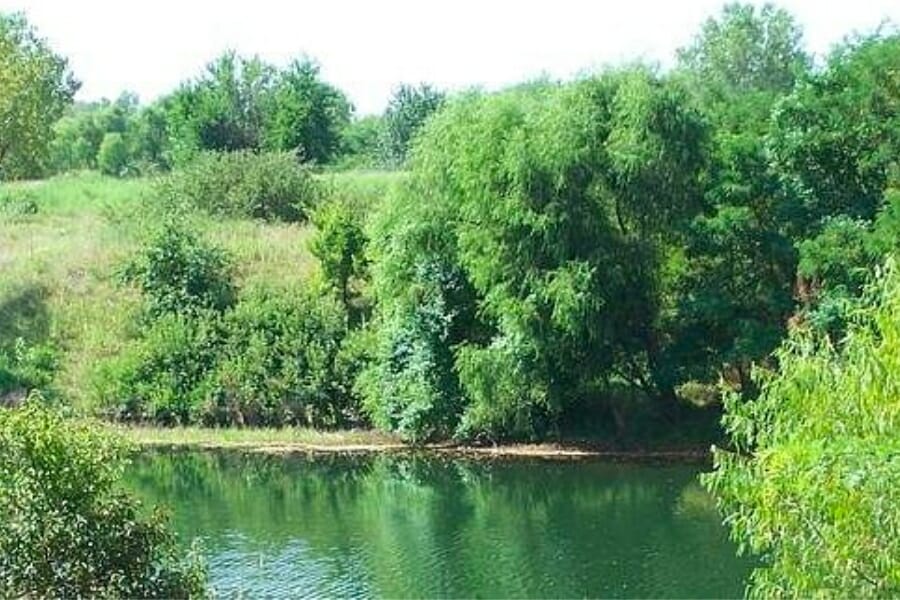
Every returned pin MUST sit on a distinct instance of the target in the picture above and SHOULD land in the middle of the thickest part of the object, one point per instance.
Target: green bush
(179, 273)
(162, 377)
(811, 483)
(67, 529)
(272, 186)
(340, 244)
(113, 155)
(28, 367)
(277, 365)
(271, 360)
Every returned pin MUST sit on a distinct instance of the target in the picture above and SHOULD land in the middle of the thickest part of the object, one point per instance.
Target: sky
(367, 47)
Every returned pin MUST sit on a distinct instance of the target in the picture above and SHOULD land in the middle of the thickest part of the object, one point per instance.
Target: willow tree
(810, 482)
(521, 268)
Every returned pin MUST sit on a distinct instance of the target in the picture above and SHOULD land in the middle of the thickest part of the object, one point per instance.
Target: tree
(35, 87)
(529, 220)
(408, 109)
(836, 138)
(339, 244)
(306, 115)
(747, 49)
(224, 110)
(809, 484)
(735, 279)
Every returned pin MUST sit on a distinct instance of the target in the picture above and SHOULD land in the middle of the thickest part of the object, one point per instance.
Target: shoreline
(302, 441)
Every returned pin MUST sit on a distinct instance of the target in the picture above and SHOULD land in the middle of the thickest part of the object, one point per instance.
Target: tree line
(237, 103)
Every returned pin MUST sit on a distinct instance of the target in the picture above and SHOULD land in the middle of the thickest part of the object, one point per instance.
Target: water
(415, 526)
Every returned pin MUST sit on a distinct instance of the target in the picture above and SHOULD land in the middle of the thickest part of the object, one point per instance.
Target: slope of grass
(58, 266)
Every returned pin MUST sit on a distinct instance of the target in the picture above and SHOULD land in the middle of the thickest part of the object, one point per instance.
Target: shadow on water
(401, 526)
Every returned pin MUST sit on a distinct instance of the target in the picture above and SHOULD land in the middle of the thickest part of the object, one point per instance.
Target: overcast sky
(366, 47)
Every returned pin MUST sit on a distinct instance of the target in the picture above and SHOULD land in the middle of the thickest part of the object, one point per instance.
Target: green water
(414, 526)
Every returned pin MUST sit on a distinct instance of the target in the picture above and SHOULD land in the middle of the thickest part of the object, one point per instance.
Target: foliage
(222, 111)
(139, 134)
(112, 157)
(270, 185)
(809, 485)
(269, 361)
(247, 104)
(179, 273)
(537, 212)
(340, 244)
(26, 367)
(162, 377)
(361, 143)
(35, 87)
(837, 136)
(306, 115)
(747, 49)
(408, 109)
(67, 527)
(277, 365)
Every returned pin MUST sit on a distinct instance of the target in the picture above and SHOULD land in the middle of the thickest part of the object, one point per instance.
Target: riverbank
(301, 440)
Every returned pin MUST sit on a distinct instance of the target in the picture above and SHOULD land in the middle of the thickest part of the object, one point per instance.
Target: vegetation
(408, 110)
(35, 87)
(270, 186)
(68, 528)
(605, 254)
(809, 485)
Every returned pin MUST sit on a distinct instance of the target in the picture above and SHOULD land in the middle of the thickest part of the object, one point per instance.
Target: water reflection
(401, 526)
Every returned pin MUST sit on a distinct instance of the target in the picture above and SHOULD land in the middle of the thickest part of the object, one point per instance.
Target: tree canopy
(36, 85)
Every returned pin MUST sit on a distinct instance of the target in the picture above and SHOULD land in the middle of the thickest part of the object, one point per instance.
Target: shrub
(17, 203)
(277, 366)
(67, 529)
(340, 244)
(163, 376)
(179, 273)
(272, 360)
(112, 157)
(811, 483)
(272, 185)
(28, 367)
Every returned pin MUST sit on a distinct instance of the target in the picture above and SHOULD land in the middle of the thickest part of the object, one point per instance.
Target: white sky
(366, 47)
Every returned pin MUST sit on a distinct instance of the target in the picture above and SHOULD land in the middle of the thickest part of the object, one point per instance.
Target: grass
(58, 266)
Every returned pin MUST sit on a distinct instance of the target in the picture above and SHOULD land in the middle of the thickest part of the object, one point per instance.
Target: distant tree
(736, 281)
(224, 110)
(360, 141)
(747, 49)
(305, 114)
(836, 139)
(36, 85)
(409, 108)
